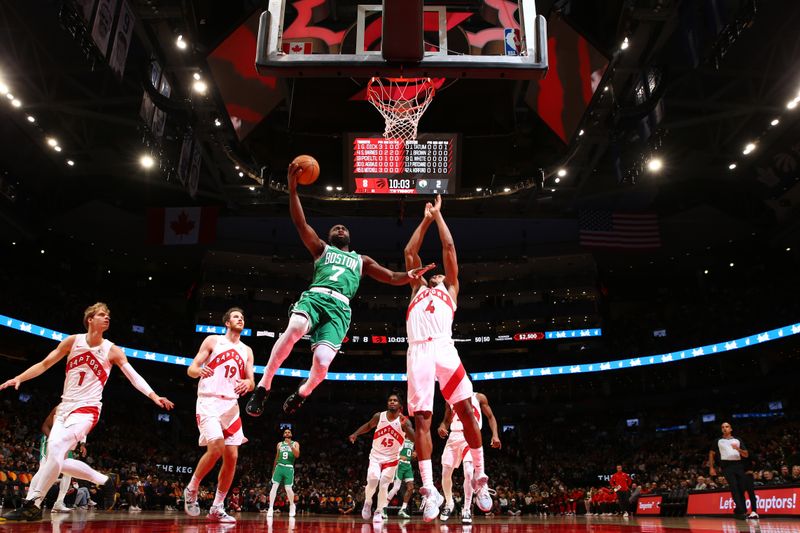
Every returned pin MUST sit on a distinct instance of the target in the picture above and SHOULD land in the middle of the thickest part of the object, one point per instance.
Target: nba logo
(511, 41)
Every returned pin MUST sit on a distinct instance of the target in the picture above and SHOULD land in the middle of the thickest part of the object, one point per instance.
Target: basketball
(310, 169)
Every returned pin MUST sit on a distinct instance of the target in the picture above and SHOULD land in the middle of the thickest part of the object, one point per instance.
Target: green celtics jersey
(406, 451)
(338, 270)
(285, 454)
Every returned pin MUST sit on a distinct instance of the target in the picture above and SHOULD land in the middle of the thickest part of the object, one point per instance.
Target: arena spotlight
(705, 271)
(562, 172)
(3, 88)
(329, 188)
(217, 122)
(788, 249)
(506, 189)
(147, 161)
(731, 265)
(625, 44)
(57, 148)
(16, 103)
(775, 122)
(70, 162)
(749, 148)
(252, 188)
(580, 133)
(478, 189)
(338, 188)
(180, 43)
(792, 104)
(655, 164)
(52, 142)
(200, 87)
(558, 180)
(241, 174)
(9, 96)
(732, 166)
(31, 119)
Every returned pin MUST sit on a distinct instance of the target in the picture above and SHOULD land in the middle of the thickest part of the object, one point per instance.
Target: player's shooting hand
(292, 175)
(206, 372)
(162, 401)
(428, 213)
(442, 431)
(496, 442)
(418, 272)
(352, 438)
(436, 208)
(13, 382)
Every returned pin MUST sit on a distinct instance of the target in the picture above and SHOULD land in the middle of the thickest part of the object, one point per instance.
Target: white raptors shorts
(431, 361)
(456, 450)
(73, 422)
(218, 418)
(384, 471)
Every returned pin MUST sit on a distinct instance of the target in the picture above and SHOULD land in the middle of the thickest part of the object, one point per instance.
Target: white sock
(219, 498)
(63, 488)
(194, 484)
(426, 472)
(273, 492)
(477, 461)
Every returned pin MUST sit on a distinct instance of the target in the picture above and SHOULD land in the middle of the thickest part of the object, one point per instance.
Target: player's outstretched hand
(293, 173)
(436, 208)
(496, 443)
(242, 386)
(443, 432)
(162, 401)
(352, 438)
(13, 382)
(418, 272)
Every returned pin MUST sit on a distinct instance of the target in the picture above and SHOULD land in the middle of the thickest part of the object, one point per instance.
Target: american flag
(611, 229)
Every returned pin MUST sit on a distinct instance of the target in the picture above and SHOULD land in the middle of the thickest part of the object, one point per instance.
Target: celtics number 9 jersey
(338, 270)
(285, 454)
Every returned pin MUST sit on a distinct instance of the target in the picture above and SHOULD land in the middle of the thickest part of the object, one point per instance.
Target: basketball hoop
(402, 102)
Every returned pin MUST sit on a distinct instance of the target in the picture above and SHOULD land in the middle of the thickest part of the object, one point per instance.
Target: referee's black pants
(734, 474)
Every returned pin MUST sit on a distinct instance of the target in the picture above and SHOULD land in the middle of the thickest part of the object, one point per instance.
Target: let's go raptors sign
(772, 502)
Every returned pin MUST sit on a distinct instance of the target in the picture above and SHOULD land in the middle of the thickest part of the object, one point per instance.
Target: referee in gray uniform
(731, 451)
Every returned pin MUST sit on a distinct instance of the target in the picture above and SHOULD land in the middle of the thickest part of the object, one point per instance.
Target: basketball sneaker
(483, 495)
(190, 504)
(270, 512)
(294, 401)
(366, 511)
(59, 507)
(402, 513)
(255, 405)
(433, 501)
(28, 512)
(218, 514)
(377, 517)
(109, 492)
(384, 514)
(292, 510)
(753, 515)
(446, 512)
(466, 515)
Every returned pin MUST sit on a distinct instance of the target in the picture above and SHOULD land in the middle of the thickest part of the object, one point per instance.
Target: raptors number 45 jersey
(227, 360)
(430, 314)
(88, 369)
(457, 425)
(387, 440)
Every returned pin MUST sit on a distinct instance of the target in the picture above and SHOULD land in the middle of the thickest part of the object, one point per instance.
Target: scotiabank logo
(649, 505)
(769, 501)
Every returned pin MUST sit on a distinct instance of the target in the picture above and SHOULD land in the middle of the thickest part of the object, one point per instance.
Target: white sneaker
(377, 517)
(753, 515)
(466, 515)
(483, 495)
(92, 503)
(366, 511)
(190, 502)
(625, 514)
(218, 514)
(270, 512)
(446, 512)
(292, 510)
(433, 501)
(59, 507)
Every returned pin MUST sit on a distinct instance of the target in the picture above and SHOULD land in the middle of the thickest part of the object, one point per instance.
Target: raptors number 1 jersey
(387, 440)
(430, 314)
(87, 372)
(457, 425)
(227, 360)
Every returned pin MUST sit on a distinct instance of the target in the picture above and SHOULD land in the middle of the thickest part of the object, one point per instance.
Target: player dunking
(456, 453)
(89, 361)
(391, 430)
(405, 474)
(324, 309)
(287, 452)
(432, 356)
(224, 365)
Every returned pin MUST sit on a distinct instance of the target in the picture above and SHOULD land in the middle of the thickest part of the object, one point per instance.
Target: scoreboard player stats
(426, 165)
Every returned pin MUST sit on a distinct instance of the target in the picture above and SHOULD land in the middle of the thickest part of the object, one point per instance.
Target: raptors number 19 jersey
(457, 425)
(87, 372)
(387, 440)
(430, 314)
(227, 360)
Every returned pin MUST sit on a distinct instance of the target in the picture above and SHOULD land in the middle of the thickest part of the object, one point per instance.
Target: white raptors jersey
(457, 425)
(228, 361)
(430, 314)
(387, 440)
(88, 369)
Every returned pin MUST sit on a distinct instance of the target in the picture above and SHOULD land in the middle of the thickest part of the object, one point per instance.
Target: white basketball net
(402, 102)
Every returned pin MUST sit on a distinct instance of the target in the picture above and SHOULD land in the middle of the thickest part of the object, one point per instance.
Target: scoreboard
(427, 165)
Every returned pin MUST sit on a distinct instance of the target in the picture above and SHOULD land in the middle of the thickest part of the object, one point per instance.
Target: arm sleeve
(136, 380)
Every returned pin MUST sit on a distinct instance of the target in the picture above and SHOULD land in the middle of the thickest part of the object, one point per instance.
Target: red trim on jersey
(444, 296)
(90, 409)
(226, 356)
(453, 382)
(391, 432)
(233, 428)
(88, 359)
(384, 466)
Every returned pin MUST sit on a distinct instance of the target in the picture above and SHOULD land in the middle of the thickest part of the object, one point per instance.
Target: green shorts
(404, 472)
(329, 318)
(283, 475)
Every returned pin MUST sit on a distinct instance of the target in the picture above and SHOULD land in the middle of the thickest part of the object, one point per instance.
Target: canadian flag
(181, 225)
(297, 47)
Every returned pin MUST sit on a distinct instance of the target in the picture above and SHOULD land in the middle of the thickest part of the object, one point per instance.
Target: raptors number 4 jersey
(457, 425)
(430, 314)
(88, 369)
(228, 361)
(387, 440)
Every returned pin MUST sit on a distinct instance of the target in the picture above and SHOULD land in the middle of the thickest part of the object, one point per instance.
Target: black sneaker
(28, 512)
(109, 492)
(294, 401)
(255, 405)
